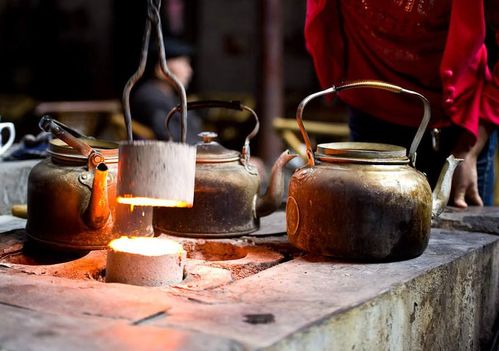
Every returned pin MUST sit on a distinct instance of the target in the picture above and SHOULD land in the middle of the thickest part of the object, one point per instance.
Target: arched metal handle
(366, 84)
(153, 19)
(232, 105)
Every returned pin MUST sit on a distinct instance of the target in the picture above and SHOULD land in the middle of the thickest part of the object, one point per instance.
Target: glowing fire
(146, 246)
(149, 201)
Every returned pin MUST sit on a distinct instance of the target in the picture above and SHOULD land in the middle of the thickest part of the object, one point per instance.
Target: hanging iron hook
(153, 11)
(153, 19)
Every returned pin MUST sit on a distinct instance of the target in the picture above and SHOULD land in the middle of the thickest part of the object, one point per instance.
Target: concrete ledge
(446, 299)
(450, 304)
(472, 219)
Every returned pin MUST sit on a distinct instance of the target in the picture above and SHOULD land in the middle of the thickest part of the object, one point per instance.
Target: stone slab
(447, 298)
(327, 305)
(9, 223)
(28, 330)
(472, 219)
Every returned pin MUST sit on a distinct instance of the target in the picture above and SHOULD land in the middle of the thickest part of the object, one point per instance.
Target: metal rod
(153, 19)
(134, 78)
(299, 121)
(172, 79)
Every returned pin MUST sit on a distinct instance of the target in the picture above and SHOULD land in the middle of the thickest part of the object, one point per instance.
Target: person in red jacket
(433, 47)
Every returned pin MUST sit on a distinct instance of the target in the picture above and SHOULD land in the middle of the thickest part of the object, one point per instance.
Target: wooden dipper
(145, 261)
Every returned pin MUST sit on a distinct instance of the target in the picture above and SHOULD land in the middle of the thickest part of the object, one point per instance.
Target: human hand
(464, 183)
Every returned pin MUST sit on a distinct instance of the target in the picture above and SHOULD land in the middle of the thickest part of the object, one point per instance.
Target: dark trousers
(365, 127)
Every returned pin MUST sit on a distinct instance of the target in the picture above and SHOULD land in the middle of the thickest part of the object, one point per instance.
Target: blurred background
(73, 58)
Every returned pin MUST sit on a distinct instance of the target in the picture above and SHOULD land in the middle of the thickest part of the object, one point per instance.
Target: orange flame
(149, 201)
(146, 246)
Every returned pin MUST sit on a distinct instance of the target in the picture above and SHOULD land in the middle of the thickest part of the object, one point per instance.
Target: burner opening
(214, 251)
(31, 254)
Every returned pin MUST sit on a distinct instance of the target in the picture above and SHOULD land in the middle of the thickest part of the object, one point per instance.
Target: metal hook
(153, 19)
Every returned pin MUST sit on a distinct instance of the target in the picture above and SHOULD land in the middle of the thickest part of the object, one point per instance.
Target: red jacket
(469, 92)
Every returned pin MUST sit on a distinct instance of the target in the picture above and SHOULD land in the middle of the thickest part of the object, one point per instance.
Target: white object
(12, 135)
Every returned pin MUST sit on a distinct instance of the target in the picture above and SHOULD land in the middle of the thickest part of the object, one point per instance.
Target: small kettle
(226, 194)
(72, 195)
(364, 201)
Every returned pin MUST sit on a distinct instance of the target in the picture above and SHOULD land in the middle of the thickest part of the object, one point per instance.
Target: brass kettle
(364, 201)
(72, 195)
(226, 194)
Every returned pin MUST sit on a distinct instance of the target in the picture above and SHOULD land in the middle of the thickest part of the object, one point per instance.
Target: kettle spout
(269, 202)
(442, 190)
(98, 212)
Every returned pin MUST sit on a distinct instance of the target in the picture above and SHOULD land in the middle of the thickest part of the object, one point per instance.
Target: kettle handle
(233, 105)
(366, 84)
(72, 138)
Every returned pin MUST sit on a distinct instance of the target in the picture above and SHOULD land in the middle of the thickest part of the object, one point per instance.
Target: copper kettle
(364, 201)
(226, 194)
(72, 196)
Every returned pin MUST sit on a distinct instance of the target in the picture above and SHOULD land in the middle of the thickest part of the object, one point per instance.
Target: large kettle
(72, 196)
(226, 194)
(364, 201)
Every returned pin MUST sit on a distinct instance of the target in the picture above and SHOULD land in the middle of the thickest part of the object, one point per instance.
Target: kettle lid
(361, 152)
(208, 150)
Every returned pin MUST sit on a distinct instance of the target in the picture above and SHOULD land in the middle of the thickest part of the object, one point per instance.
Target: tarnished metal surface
(359, 211)
(226, 201)
(97, 212)
(441, 194)
(60, 211)
(363, 201)
(226, 193)
(224, 204)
